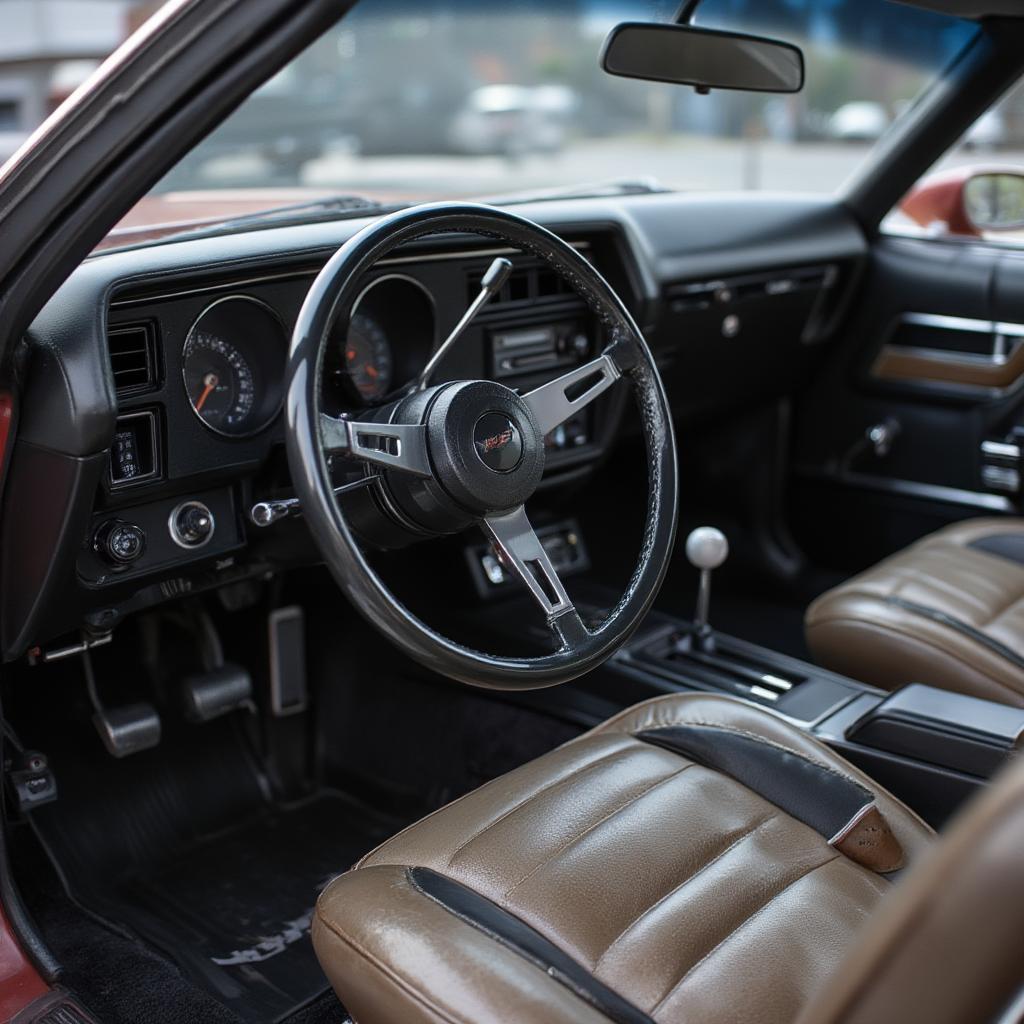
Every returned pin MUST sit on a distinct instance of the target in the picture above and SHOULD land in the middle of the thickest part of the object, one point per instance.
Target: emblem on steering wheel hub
(498, 442)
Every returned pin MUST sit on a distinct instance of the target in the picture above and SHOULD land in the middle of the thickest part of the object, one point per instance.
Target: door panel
(914, 420)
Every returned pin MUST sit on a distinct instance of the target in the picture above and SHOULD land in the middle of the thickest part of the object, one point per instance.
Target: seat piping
(943, 619)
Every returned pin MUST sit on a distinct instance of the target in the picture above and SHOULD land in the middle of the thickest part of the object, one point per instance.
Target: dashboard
(152, 443)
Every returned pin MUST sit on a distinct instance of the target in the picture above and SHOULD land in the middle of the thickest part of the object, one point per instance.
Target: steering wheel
(439, 459)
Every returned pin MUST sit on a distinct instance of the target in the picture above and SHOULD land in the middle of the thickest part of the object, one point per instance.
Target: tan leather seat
(693, 859)
(947, 611)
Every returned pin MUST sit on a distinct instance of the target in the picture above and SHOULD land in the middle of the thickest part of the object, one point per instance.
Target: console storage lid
(943, 728)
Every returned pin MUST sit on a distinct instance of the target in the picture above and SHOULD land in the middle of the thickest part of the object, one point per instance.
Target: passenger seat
(947, 611)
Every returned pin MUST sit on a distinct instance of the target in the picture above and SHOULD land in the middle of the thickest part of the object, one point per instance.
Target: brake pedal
(124, 730)
(208, 695)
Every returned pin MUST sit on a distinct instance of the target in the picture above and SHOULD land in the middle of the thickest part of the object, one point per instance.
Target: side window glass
(976, 191)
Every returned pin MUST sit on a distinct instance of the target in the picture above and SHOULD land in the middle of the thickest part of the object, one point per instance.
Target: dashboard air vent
(132, 357)
(525, 283)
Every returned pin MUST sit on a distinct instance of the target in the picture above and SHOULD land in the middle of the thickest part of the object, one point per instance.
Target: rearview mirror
(704, 58)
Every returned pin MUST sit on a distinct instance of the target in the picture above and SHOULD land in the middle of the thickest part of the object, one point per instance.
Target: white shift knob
(707, 548)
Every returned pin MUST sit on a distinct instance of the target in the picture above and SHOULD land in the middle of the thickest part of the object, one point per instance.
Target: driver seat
(693, 859)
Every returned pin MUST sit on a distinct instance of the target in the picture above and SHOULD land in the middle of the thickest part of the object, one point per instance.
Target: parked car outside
(859, 121)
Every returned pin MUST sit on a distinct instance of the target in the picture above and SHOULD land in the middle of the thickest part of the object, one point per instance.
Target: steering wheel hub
(485, 445)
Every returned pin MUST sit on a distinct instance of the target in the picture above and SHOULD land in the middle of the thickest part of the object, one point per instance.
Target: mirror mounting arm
(686, 11)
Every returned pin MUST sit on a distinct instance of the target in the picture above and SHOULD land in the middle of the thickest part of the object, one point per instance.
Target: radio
(527, 350)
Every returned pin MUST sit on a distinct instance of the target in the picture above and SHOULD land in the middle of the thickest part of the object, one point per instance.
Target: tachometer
(233, 365)
(368, 360)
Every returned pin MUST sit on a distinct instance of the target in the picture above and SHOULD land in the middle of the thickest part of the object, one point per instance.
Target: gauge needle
(371, 371)
(210, 382)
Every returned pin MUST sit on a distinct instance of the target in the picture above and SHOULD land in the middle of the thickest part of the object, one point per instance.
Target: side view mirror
(968, 201)
(704, 58)
(995, 202)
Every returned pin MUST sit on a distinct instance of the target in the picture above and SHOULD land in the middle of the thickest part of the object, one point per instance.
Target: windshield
(410, 100)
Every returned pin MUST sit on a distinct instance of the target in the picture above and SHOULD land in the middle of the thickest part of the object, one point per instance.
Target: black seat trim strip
(813, 793)
(961, 627)
(512, 933)
(1003, 545)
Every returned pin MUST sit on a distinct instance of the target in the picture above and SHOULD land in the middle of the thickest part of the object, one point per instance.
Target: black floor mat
(180, 847)
(234, 911)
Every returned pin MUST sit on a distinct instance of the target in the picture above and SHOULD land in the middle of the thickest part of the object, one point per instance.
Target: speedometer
(233, 366)
(219, 382)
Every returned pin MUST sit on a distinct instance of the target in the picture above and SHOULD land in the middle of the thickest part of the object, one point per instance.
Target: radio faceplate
(524, 356)
(518, 351)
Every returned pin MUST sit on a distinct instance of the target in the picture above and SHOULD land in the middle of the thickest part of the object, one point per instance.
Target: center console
(931, 748)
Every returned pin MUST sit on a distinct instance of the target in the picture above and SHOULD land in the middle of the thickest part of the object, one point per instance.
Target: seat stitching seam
(929, 645)
(465, 797)
(399, 980)
(574, 774)
(973, 631)
(943, 586)
(918, 577)
(581, 740)
(686, 881)
(618, 809)
(718, 945)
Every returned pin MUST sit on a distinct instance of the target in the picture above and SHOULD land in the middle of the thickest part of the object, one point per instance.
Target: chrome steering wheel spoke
(555, 402)
(399, 446)
(522, 551)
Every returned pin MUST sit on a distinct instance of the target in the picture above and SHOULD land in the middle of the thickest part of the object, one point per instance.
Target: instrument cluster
(233, 361)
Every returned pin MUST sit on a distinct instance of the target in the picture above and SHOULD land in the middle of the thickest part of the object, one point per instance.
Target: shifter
(707, 549)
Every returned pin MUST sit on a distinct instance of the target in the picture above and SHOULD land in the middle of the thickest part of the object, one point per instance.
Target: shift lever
(707, 549)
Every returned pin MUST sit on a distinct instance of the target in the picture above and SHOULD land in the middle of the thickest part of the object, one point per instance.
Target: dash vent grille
(132, 357)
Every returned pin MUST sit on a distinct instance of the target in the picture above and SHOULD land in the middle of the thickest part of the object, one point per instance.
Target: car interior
(604, 605)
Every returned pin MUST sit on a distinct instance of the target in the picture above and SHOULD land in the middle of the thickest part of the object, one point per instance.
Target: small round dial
(368, 358)
(219, 382)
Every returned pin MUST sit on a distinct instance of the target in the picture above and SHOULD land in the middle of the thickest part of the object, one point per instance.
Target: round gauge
(368, 359)
(364, 362)
(233, 366)
(219, 383)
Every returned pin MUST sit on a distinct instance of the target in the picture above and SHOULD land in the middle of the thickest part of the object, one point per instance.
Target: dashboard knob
(191, 524)
(119, 543)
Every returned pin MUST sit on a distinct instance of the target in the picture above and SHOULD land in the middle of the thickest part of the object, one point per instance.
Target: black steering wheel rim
(580, 649)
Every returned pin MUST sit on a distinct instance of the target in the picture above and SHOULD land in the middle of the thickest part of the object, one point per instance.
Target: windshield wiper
(328, 206)
(311, 211)
(591, 190)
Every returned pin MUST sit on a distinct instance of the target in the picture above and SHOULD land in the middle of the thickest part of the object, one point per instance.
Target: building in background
(47, 49)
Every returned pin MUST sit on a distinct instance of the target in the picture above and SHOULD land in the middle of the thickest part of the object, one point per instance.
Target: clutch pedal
(128, 729)
(124, 730)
